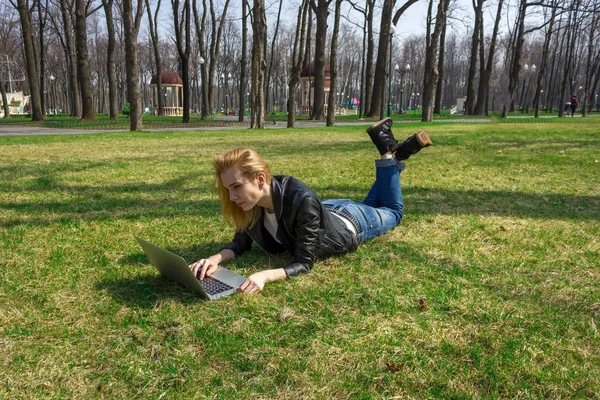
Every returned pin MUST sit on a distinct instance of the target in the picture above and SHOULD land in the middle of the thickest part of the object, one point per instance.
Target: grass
(489, 288)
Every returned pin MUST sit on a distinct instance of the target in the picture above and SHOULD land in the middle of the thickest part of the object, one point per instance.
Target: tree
(484, 76)
(297, 62)
(259, 64)
(71, 54)
(183, 48)
(200, 33)
(132, 27)
(243, 63)
(333, 60)
(431, 74)
(83, 63)
(110, 60)
(376, 103)
(8, 45)
(321, 10)
(477, 30)
(272, 58)
(153, 27)
(22, 7)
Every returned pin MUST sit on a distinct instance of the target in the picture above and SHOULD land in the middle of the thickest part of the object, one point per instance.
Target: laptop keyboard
(213, 286)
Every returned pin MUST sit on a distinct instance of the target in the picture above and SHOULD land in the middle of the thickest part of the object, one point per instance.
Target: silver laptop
(222, 282)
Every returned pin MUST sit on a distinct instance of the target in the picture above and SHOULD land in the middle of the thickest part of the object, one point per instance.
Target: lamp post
(52, 94)
(416, 105)
(203, 111)
(402, 72)
(410, 101)
(392, 31)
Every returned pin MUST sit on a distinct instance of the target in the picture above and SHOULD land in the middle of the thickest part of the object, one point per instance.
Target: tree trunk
(470, 102)
(331, 103)
(183, 49)
(572, 30)
(83, 62)
(215, 46)
(259, 65)
(515, 65)
(385, 35)
(37, 113)
(544, 62)
(437, 106)
(321, 11)
(75, 94)
(110, 60)
(202, 50)
(273, 45)
(153, 27)
(589, 69)
(484, 79)
(368, 61)
(431, 73)
(4, 98)
(297, 62)
(131, 25)
(243, 63)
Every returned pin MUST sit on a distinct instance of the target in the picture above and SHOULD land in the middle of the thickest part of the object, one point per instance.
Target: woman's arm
(206, 266)
(256, 282)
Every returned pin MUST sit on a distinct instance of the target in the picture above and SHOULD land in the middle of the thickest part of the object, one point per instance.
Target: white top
(271, 225)
(348, 223)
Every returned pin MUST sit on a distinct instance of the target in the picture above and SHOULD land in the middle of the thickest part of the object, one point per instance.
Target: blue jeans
(382, 209)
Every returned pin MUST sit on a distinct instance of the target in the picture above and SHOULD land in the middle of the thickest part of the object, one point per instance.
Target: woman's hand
(204, 267)
(256, 282)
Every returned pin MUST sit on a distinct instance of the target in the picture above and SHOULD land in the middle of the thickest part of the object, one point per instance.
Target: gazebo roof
(309, 70)
(167, 78)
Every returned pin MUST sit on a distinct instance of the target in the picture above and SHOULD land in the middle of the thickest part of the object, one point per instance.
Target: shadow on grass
(102, 207)
(147, 291)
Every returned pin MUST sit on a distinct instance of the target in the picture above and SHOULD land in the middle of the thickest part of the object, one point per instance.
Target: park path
(16, 130)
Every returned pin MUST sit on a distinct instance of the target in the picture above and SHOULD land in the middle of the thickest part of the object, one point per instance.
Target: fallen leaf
(422, 304)
(393, 367)
(503, 229)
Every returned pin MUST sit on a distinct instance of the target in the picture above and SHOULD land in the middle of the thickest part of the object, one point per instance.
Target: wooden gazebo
(172, 87)
(307, 85)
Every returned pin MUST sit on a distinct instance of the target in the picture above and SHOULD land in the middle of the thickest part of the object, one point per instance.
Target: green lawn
(489, 288)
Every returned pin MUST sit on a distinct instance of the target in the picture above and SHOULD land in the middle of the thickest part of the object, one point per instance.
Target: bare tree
(183, 48)
(333, 70)
(321, 10)
(243, 63)
(66, 9)
(22, 7)
(259, 64)
(217, 26)
(544, 61)
(485, 73)
(110, 60)
(297, 61)
(8, 45)
(477, 30)
(131, 24)
(376, 103)
(272, 57)
(431, 74)
(592, 66)
(83, 63)
(200, 33)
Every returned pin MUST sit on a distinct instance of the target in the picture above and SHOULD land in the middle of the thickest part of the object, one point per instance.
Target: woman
(280, 213)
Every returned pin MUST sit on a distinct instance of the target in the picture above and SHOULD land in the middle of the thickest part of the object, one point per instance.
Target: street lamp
(52, 94)
(402, 72)
(392, 31)
(203, 111)
(417, 101)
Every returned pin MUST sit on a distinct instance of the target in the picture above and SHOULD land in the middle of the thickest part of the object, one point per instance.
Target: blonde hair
(249, 163)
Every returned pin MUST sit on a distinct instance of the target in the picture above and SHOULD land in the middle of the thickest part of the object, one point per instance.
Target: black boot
(413, 145)
(382, 137)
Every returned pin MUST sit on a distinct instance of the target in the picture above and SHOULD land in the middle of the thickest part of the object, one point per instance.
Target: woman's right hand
(204, 267)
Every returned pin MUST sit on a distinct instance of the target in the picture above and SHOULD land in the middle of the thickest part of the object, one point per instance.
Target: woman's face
(244, 192)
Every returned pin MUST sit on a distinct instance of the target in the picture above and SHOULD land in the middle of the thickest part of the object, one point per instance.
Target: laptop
(222, 282)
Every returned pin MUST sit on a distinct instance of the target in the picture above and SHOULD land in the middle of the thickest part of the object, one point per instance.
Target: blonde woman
(281, 214)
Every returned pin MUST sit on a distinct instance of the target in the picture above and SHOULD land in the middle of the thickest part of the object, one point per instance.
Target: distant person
(574, 104)
(281, 214)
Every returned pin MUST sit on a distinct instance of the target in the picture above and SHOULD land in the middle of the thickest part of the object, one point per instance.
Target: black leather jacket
(307, 230)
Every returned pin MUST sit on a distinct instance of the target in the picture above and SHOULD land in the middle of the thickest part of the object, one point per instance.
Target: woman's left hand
(254, 283)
